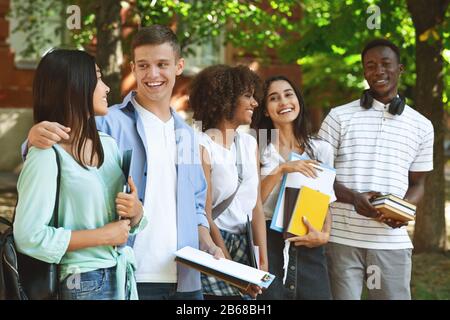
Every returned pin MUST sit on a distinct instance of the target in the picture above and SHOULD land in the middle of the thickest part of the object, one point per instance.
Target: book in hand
(295, 180)
(126, 164)
(308, 203)
(252, 250)
(237, 274)
(395, 208)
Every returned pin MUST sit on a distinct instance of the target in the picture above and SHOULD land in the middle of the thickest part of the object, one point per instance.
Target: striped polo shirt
(374, 151)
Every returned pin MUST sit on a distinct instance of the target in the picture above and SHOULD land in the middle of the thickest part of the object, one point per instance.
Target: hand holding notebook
(309, 204)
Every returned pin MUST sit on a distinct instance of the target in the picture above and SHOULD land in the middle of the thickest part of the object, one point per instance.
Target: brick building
(16, 88)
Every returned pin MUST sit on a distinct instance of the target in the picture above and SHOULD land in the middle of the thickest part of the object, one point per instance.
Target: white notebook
(236, 273)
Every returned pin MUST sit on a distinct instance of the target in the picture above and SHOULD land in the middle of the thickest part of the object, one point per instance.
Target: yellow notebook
(314, 206)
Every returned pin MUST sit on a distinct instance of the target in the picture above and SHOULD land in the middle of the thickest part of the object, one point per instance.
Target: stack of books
(395, 208)
(305, 202)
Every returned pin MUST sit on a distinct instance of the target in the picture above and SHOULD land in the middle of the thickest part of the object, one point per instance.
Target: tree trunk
(109, 53)
(427, 15)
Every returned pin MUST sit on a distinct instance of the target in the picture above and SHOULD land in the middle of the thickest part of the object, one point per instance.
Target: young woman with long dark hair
(284, 116)
(68, 89)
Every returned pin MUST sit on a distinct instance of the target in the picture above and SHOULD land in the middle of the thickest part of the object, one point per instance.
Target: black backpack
(23, 277)
(10, 286)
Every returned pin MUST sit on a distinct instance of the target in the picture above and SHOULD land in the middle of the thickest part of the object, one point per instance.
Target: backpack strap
(55, 208)
(6, 222)
(221, 207)
(58, 185)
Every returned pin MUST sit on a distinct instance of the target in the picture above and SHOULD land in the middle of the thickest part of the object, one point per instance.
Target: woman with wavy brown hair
(223, 98)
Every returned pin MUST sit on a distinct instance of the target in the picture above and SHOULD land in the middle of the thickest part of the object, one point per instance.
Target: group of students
(200, 189)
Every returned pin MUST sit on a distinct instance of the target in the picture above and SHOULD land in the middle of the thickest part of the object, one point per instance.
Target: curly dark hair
(215, 90)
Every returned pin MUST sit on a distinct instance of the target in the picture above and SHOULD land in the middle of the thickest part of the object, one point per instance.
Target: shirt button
(292, 267)
(291, 287)
(140, 199)
(145, 174)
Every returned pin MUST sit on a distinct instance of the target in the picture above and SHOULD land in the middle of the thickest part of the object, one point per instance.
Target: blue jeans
(93, 285)
(165, 291)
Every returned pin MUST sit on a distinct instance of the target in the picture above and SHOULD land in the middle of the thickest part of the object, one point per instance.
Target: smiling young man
(381, 146)
(165, 166)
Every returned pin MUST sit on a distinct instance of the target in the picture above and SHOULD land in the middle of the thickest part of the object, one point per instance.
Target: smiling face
(382, 71)
(282, 103)
(100, 102)
(245, 106)
(155, 68)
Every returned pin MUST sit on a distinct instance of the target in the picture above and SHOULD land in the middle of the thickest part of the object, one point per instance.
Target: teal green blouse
(87, 201)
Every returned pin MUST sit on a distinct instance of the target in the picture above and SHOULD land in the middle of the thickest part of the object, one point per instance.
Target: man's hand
(313, 238)
(128, 205)
(363, 206)
(392, 223)
(45, 134)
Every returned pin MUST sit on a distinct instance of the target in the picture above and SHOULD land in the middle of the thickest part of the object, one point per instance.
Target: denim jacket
(125, 125)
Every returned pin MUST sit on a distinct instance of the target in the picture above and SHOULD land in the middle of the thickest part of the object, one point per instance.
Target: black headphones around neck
(396, 106)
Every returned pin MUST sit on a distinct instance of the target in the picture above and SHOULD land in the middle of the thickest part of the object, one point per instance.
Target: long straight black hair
(63, 91)
(301, 125)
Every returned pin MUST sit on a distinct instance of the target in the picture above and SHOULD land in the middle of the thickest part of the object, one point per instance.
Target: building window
(202, 56)
(46, 29)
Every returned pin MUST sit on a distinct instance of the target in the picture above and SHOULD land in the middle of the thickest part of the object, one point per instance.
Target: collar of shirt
(150, 119)
(380, 106)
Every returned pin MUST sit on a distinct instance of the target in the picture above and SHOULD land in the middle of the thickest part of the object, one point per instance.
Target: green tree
(325, 38)
(428, 18)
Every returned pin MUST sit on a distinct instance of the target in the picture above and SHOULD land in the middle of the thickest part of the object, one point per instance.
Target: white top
(156, 244)
(374, 151)
(224, 179)
(271, 158)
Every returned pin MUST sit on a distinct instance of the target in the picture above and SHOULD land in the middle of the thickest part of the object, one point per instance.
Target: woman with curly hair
(299, 264)
(223, 98)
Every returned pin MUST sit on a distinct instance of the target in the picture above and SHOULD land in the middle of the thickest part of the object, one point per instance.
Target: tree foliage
(324, 37)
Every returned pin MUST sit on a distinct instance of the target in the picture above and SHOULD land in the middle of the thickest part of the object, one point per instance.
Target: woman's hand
(313, 238)
(128, 205)
(305, 167)
(264, 266)
(115, 233)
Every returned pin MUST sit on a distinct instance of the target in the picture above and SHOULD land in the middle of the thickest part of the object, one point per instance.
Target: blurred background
(315, 43)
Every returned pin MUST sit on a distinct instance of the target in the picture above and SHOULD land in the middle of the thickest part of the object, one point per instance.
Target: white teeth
(285, 111)
(153, 84)
(250, 111)
(381, 81)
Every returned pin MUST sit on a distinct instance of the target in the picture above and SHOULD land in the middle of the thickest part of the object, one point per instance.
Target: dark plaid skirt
(237, 246)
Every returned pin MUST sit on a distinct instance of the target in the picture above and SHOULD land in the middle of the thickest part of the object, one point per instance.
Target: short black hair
(155, 35)
(381, 43)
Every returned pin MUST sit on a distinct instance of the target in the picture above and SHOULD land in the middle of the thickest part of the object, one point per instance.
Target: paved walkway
(7, 193)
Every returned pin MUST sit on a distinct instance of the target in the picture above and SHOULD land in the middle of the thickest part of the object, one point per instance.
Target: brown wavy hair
(215, 90)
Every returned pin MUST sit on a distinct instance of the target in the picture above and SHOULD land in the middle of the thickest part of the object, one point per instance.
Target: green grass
(431, 276)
